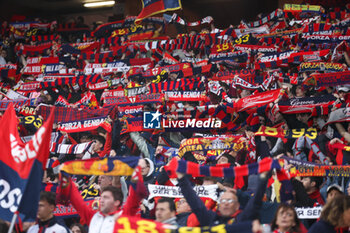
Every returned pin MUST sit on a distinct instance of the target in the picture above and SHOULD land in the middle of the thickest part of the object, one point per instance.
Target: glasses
(181, 201)
(228, 201)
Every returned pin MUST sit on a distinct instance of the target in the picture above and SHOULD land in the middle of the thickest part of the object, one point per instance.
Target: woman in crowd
(286, 220)
(77, 228)
(335, 216)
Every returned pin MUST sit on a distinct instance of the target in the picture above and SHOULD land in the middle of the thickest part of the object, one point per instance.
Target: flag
(152, 7)
(21, 167)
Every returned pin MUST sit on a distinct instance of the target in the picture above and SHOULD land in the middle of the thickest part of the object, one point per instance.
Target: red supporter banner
(134, 100)
(257, 48)
(246, 74)
(87, 46)
(186, 68)
(83, 125)
(258, 100)
(185, 95)
(329, 79)
(42, 60)
(29, 87)
(18, 103)
(113, 93)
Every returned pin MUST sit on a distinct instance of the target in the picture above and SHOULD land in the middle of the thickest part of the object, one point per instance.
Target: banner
(22, 166)
(209, 191)
(111, 166)
(309, 212)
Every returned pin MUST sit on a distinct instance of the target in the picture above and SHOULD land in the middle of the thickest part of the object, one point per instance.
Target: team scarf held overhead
(134, 100)
(63, 114)
(320, 66)
(208, 191)
(211, 143)
(292, 133)
(238, 57)
(84, 125)
(106, 84)
(54, 81)
(177, 19)
(196, 170)
(256, 48)
(18, 103)
(186, 84)
(184, 68)
(246, 74)
(112, 93)
(301, 11)
(185, 95)
(318, 105)
(43, 69)
(328, 80)
(136, 91)
(80, 148)
(113, 166)
(272, 16)
(254, 101)
(304, 168)
(130, 110)
(34, 50)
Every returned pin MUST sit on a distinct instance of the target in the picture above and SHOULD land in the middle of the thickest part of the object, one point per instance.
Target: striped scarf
(196, 170)
(70, 148)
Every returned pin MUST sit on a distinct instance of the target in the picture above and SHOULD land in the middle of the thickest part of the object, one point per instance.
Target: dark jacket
(208, 217)
(322, 226)
(181, 219)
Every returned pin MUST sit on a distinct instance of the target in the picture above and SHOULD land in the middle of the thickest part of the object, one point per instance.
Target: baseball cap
(335, 186)
(344, 89)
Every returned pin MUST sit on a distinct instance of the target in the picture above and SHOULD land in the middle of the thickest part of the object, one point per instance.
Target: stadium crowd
(243, 129)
